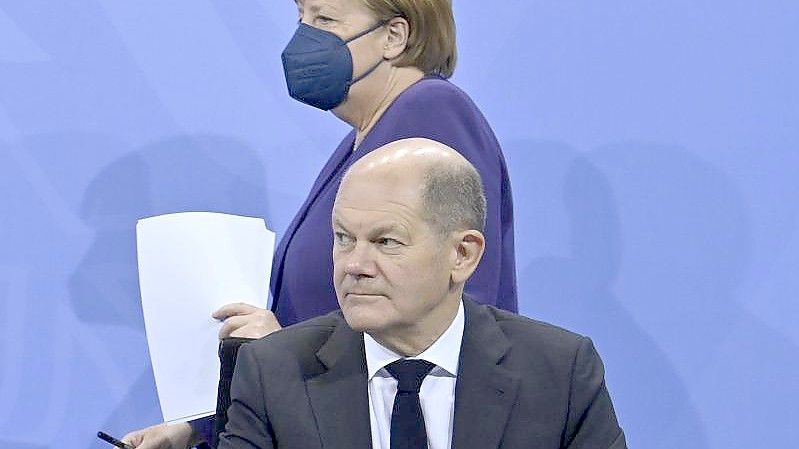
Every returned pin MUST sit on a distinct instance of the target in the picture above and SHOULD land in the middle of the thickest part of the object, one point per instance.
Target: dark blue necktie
(407, 422)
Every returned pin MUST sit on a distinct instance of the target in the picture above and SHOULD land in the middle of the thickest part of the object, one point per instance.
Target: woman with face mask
(382, 67)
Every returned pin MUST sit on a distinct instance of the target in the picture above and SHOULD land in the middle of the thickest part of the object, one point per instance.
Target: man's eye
(388, 242)
(342, 238)
(324, 20)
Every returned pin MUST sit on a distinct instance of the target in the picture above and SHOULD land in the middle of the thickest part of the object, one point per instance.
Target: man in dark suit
(408, 362)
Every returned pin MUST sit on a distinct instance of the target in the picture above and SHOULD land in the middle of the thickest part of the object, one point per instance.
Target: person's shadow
(686, 246)
(569, 257)
(184, 173)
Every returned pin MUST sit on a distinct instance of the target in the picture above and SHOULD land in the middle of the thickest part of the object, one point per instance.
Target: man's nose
(360, 261)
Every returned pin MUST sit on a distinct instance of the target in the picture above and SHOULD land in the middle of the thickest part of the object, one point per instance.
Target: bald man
(408, 362)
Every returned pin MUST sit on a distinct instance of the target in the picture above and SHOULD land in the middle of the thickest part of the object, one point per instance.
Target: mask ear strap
(363, 33)
(367, 72)
(367, 31)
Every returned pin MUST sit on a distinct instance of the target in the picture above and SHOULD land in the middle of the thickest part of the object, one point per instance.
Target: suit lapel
(339, 396)
(485, 391)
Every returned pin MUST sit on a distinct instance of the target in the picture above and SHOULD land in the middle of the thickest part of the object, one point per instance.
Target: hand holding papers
(191, 264)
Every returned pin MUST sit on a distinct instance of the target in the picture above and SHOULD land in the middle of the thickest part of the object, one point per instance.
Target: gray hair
(453, 198)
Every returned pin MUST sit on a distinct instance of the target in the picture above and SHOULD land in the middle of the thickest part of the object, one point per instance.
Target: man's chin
(356, 324)
(359, 321)
(357, 327)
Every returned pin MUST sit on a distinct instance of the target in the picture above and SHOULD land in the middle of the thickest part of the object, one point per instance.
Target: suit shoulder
(527, 331)
(298, 339)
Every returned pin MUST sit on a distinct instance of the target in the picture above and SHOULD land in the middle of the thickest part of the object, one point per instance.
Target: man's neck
(412, 341)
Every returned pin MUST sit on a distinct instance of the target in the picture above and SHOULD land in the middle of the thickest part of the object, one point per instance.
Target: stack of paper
(190, 264)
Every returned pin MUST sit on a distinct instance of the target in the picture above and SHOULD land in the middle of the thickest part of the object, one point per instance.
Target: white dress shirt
(437, 394)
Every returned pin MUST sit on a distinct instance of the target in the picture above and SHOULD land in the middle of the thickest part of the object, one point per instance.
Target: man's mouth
(364, 294)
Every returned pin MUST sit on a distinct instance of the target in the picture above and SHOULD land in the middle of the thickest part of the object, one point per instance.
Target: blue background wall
(653, 149)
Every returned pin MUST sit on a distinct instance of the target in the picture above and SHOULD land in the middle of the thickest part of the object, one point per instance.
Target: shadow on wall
(184, 173)
(687, 246)
(197, 173)
(644, 249)
(569, 262)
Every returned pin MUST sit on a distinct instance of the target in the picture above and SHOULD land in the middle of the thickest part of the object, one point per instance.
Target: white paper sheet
(190, 264)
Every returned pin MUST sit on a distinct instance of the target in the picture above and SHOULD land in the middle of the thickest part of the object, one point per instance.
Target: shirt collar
(444, 352)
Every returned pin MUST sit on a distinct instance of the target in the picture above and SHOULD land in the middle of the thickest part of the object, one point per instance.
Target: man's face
(391, 270)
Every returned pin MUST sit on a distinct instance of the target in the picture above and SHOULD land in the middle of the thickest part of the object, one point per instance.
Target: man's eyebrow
(338, 224)
(384, 229)
(378, 230)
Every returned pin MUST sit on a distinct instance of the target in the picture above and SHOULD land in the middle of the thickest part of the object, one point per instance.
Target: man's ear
(398, 32)
(469, 248)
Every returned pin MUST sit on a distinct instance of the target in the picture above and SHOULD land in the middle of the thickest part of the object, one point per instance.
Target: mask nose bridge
(317, 35)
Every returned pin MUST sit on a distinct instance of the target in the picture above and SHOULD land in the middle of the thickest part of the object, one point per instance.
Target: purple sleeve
(204, 427)
(438, 110)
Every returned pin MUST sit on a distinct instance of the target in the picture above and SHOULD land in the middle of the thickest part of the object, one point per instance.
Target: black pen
(108, 438)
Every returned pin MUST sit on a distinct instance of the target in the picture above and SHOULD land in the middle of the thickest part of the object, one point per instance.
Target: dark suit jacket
(521, 384)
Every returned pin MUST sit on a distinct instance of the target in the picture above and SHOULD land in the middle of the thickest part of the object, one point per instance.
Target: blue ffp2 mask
(318, 66)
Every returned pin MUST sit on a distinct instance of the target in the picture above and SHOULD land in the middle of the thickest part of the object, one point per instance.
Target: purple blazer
(302, 272)
(434, 108)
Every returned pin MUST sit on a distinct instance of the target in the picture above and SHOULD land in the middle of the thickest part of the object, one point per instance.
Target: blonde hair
(431, 42)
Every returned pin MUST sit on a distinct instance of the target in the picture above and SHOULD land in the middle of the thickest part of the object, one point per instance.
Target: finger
(156, 438)
(234, 309)
(259, 329)
(231, 324)
(153, 443)
(146, 444)
(134, 438)
(251, 332)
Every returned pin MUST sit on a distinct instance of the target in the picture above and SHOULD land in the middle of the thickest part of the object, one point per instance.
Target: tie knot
(409, 374)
